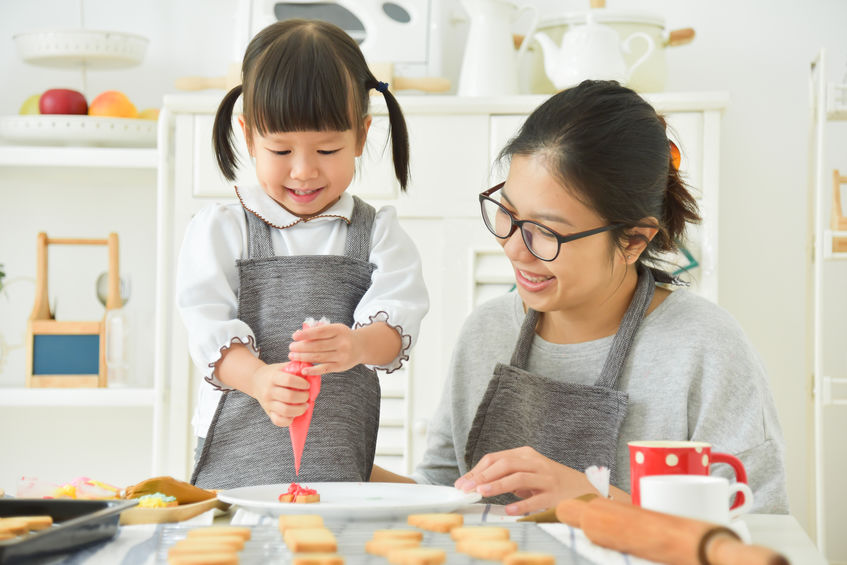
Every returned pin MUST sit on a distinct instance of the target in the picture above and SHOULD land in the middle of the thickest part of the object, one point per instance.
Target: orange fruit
(112, 104)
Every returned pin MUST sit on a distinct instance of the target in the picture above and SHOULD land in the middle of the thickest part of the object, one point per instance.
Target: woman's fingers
(495, 465)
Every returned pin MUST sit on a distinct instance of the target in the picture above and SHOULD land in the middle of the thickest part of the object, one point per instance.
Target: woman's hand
(330, 348)
(281, 395)
(540, 482)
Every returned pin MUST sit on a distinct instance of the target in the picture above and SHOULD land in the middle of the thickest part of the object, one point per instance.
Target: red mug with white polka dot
(677, 458)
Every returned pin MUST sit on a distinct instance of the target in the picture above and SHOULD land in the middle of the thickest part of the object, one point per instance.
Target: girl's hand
(281, 395)
(330, 348)
(540, 482)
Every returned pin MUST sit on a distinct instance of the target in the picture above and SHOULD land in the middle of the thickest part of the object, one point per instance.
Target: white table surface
(137, 545)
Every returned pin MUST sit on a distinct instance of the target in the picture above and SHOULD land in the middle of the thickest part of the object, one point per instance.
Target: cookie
(291, 521)
(479, 532)
(207, 558)
(234, 543)
(300, 498)
(310, 540)
(213, 531)
(15, 525)
(398, 534)
(436, 522)
(492, 549)
(529, 558)
(37, 522)
(385, 546)
(418, 556)
(5, 534)
(317, 559)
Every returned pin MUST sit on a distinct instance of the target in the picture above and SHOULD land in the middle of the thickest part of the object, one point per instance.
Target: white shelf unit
(828, 104)
(79, 397)
(96, 157)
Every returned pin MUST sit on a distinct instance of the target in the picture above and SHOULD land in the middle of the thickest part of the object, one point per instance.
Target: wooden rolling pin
(661, 537)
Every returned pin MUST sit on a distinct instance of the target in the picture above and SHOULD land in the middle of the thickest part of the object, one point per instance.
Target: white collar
(254, 199)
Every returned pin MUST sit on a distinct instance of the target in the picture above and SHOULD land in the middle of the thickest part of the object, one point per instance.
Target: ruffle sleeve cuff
(212, 378)
(405, 339)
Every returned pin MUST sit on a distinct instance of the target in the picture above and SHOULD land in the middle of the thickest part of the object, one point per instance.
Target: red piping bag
(299, 427)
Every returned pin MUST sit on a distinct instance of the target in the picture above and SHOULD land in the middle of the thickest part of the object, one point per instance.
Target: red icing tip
(299, 427)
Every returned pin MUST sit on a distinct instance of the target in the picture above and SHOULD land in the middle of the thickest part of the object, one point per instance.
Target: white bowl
(62, 129)
(75, 48)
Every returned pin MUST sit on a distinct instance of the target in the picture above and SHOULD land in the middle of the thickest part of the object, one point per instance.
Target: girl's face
(306, 171)
(584, 274)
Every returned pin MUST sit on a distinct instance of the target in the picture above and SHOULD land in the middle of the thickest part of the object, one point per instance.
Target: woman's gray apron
(276, 294)
(574, 424)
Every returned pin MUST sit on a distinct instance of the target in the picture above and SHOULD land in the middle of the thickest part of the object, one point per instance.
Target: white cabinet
(58, 434)
(453, 142)
(827, 319)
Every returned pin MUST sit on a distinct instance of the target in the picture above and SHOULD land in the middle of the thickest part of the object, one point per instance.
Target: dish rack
(83, 49)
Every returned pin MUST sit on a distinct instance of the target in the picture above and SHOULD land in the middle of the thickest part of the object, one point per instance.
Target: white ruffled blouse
(207, 277)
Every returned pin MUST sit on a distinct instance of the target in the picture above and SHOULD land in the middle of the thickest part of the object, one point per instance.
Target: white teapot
(590, 51)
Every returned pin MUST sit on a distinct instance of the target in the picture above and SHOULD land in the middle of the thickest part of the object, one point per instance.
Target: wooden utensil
(232, 78)
(666, 538)
(385, 73)
(552, 514)
(680, 37)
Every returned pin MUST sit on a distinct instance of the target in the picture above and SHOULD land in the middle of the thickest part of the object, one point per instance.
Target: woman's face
(584, 273)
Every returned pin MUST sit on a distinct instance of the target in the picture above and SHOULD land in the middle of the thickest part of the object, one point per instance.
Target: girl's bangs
(285, 98)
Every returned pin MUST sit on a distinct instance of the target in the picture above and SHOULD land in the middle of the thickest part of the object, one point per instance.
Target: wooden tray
(173, 514)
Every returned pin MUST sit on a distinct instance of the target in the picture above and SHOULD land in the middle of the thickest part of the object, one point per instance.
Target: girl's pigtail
(222, 136)
(680, 208)
(399, 134)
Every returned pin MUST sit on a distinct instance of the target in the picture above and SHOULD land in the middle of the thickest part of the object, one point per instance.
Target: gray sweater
(691, 374)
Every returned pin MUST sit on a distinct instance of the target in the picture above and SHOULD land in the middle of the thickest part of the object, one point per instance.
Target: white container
(650, 76)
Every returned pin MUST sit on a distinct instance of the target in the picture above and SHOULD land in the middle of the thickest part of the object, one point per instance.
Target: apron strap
(520, 355)
(621, 342)
(258, 237)
(358, 245)
(626, 332)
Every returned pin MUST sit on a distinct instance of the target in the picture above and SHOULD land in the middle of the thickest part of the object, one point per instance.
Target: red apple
(62, 101)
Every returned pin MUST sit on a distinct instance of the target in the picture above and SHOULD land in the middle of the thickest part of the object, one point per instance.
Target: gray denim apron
(575, 424)
(276, 293)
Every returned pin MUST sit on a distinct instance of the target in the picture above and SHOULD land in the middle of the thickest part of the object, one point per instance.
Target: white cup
(701, 497)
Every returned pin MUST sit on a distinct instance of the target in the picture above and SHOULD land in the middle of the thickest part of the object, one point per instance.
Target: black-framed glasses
(541, 241)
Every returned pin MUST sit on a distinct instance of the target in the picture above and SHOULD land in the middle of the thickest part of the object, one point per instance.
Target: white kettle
(490, 62)
(590, 51)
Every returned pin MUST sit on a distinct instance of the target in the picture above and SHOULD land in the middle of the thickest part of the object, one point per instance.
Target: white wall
(758, 51)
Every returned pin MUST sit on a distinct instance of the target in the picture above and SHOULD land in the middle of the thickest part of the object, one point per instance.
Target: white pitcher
(490, 62)
(590, 51)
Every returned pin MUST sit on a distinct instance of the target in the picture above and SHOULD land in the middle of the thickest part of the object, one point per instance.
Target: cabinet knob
(420, 427)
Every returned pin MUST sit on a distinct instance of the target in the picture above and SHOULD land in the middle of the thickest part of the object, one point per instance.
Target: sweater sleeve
(731, 407)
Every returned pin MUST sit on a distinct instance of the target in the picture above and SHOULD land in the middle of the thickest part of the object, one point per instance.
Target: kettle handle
(651, 46)
(527, 39)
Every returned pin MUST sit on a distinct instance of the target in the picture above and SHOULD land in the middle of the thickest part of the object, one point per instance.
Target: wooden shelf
(835, 240)
(77, 397)
(98, 157)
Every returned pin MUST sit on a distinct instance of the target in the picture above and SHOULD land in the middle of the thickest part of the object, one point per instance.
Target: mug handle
(740, 473)
(651, 46)
(532, 27)
(743, 493)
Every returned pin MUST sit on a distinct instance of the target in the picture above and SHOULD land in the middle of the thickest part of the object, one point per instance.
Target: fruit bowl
(61, 129)
(74, 48)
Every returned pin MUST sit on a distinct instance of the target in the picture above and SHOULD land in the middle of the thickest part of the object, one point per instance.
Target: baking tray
(76, 523)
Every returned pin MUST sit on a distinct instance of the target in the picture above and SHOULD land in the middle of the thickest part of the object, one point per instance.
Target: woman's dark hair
(305, 75)
(609, 146)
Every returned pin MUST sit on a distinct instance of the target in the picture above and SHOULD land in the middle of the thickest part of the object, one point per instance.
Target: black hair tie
(381, 86)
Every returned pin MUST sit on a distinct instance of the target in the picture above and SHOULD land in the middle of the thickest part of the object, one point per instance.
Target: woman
(590, 353)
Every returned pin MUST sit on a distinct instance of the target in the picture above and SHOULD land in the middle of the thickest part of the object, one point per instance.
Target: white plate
(353, 500)
(75, 48)
(61, 129)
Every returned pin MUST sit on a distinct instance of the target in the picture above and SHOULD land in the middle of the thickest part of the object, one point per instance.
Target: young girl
(590, 353)
(297, 246)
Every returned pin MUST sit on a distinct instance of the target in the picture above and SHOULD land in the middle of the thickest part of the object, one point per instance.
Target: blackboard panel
(66, 355)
